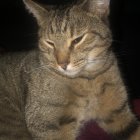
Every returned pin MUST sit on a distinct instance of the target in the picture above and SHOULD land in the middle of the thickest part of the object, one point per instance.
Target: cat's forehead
(71, 21)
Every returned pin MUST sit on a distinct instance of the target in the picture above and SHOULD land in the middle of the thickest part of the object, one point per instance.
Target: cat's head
(74, 39)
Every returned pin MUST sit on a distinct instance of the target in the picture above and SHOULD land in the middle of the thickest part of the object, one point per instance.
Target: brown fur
(50, 92)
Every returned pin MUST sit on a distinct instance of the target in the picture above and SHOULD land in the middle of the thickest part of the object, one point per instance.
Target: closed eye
(50, 43)
(76, 41)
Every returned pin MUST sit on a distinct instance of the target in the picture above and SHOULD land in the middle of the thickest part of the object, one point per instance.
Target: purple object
(92, 131)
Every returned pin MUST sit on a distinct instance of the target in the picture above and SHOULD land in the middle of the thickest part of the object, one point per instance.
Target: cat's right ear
(37, 10)
(99, 7)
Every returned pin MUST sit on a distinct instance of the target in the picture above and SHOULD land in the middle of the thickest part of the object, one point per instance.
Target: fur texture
(73, 76)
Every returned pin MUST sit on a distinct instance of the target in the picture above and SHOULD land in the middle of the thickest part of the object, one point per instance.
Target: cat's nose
(64, 65)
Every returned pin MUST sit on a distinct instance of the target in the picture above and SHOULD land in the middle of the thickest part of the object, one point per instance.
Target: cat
(72, 77)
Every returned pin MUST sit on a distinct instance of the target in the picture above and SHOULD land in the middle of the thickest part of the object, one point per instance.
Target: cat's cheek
(90, 67)
(94, 53)
(94, 66)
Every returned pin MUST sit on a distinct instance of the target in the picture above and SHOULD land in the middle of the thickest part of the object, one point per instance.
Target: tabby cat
(50, 92)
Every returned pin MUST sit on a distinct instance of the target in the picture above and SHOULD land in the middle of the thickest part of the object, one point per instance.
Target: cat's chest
(49, 97)
(45, 89)
(43, 86)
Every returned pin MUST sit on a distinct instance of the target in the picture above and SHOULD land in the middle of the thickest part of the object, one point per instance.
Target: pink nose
(63, 65)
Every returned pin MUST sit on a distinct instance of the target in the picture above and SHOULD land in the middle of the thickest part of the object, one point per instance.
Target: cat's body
(50, 94)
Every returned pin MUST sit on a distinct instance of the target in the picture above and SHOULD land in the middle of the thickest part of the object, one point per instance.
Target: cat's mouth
(76, 71)
(85, 69)
(70, 71)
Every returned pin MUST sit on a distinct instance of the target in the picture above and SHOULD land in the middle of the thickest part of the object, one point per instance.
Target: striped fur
(73, 76)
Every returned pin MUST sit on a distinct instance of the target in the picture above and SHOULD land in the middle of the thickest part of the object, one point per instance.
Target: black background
(18, 31)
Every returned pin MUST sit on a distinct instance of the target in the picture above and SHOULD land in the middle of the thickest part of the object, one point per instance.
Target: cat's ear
(100, 7)
(37, 10)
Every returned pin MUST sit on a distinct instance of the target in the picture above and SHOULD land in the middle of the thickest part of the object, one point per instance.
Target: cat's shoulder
(15, 60)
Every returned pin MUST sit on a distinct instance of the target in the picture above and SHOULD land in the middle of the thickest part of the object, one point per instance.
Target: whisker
(78, 63)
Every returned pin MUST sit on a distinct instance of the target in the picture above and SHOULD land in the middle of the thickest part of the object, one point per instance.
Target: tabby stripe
(106, 51)
(121, 109)
(127, 132)
(10, 119)
(11, 122)
(116, 111)
(56, 104)
(66, 20)
(65, 27)
(72, 31)
(78, 95)
(99, 34)
(105, 86)
(52, 127)
(17, 135)
(64, 120)
(51, 29)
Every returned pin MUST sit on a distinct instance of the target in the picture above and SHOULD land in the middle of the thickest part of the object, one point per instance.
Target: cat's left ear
(100, 7)
(39, 12)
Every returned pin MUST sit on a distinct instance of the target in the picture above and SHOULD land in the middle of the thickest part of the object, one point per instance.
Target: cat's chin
(69, 73)
(84, 72)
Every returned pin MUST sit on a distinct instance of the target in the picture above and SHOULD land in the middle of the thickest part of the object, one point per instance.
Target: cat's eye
(50, 43)
(77, 40)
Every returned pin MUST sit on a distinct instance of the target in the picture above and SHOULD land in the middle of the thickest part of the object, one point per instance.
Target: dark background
(18, 31)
